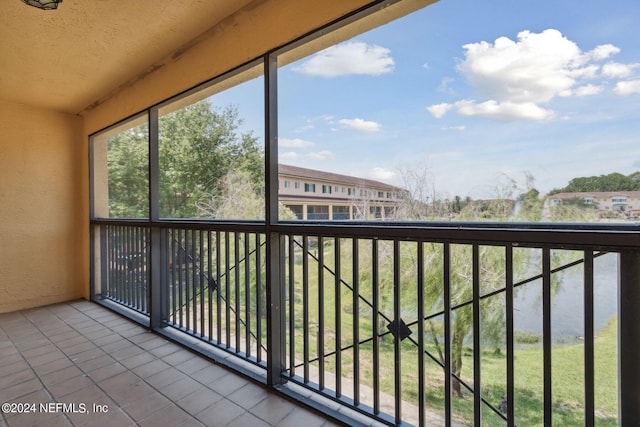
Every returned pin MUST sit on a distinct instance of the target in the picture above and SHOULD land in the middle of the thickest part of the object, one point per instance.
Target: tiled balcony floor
(81, 353)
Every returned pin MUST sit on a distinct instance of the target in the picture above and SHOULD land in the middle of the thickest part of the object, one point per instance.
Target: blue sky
(476, 94)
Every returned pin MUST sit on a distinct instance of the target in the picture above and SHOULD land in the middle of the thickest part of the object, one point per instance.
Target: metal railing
(401, 323)
(125, 261)
(214, 284)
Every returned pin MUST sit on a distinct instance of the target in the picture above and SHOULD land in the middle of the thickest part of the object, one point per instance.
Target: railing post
(276, 353)
(629, 338)
(275, 311)
(156, 293)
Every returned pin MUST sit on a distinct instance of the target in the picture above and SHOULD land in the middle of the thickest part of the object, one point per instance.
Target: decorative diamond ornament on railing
(399, 329)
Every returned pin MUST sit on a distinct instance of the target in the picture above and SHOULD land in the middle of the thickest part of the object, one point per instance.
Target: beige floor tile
(273, 409)
(220, 413)
(82, 354)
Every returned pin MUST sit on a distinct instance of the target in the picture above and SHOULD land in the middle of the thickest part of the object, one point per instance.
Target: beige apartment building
(317, 195)
(625, 203)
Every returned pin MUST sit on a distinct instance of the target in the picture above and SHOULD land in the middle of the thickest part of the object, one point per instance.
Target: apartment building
(317, 195)
(625, 203)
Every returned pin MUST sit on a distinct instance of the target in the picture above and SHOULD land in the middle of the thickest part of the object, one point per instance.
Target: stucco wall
(43, 215)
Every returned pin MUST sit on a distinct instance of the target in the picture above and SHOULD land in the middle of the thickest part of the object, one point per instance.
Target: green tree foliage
(198, 146)
(572, 210)
(612, 182)
(127, 163)
(531, 206)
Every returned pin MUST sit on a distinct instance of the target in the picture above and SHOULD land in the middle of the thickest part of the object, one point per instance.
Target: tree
(611, 182)
(572, 210)
(127, 163)
(198, 146)
(423, 202)
(238, 197)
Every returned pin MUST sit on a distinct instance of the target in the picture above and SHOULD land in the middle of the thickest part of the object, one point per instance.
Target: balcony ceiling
(67, 59)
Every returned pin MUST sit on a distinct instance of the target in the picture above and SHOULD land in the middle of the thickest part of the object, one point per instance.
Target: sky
(483, 98)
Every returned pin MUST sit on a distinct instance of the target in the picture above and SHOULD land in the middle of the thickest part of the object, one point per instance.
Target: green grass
(568, 383)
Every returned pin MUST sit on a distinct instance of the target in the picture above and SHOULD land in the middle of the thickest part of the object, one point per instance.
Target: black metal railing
(214, 284)
(125, 254)
(405, 325)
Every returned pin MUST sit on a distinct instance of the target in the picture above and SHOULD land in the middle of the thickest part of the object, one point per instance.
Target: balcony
(275, 321)
(343, 318)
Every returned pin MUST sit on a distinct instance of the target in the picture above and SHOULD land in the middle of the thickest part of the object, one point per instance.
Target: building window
(317, 212)
(296, 209)
(615, 200)
(380, 194)
(287, 184)
(388, 195)
(326, 189)
(296, 185)
(340, 212)
(351, 192)
(309, 188)
(389, 212)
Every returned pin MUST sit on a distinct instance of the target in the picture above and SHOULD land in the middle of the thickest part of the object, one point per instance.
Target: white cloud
(456, 128)
(305, 128)
(587, 72)
(294, 143)
(382, 173)
(444, 85)
(533, 69)
(503, 110)
(320, 155)
(628, 87)
(618, 70)
(602, 52)
(439, 110)
(349, 58)
(589, 89)
(494, 109)
(290, 155)
(518, 77)
(361, 125)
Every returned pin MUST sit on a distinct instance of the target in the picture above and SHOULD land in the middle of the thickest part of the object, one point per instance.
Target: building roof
(596, 194)
(335, 178)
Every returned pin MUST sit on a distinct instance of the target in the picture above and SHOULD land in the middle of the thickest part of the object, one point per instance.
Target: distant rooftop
(596, 194)
(302, 173)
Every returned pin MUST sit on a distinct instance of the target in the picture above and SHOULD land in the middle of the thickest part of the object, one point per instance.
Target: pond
(567, 309)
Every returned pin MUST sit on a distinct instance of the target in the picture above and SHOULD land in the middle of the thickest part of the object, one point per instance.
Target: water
(567, 310)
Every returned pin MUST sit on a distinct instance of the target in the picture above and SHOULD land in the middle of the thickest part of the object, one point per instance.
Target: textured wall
(43, 215)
